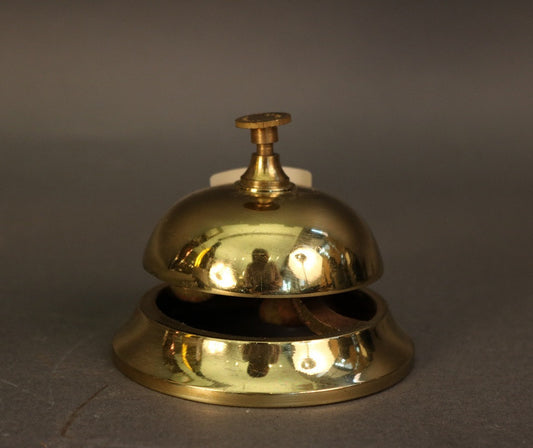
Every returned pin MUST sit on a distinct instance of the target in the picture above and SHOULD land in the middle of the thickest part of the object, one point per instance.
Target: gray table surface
(418, 117)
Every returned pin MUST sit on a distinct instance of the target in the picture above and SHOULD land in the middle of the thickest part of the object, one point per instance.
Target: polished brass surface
(311, 244)
(264, 176)
(234, 360)
(263, 120)
(212, 332)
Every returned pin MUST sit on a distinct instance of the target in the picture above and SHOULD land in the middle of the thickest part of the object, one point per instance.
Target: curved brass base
(257, 370)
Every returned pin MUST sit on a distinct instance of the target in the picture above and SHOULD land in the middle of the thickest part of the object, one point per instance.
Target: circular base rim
(383, 352)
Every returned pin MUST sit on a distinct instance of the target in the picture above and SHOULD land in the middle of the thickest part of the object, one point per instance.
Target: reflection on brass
(264, 301)
(323, 320)
(279, 312)
(262, 275)
(190, 295)
(260, 357)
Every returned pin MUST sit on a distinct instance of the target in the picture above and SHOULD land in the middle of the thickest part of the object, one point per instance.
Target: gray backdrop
(417, 114)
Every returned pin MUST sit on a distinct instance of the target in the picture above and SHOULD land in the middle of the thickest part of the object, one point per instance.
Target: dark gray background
(417, 114)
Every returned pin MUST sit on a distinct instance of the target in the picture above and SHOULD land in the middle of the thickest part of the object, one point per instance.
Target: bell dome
(262, 236)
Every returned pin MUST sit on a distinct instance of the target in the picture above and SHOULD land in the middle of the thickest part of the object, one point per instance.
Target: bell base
(160, 349)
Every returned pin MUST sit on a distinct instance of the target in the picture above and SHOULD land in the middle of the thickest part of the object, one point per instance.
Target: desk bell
(265, 300)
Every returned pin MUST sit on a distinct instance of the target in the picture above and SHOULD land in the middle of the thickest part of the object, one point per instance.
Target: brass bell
(265, 300)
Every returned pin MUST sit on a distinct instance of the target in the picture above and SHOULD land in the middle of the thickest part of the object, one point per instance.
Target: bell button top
(263, 120)
(264, 174)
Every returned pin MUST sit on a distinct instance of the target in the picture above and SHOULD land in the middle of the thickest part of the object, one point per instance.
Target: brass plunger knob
(264, 128)
(264, 174)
